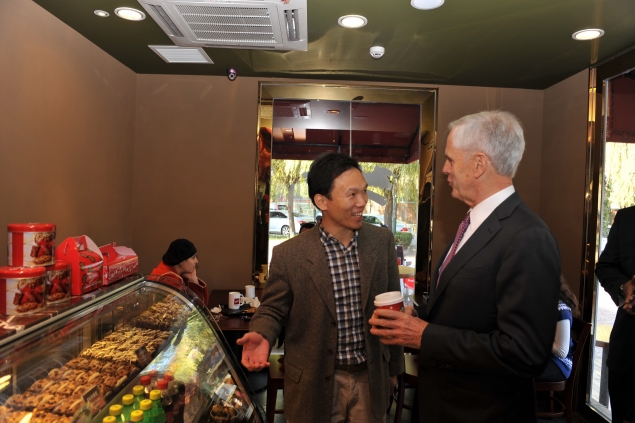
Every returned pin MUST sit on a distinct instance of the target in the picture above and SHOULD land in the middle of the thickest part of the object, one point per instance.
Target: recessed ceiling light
(130, 14)
(426, 4)
(352, 21)
(333, 111)
(588, 34)
(102, 13)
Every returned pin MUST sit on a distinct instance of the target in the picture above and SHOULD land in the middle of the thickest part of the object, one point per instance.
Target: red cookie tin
(31, 244)
(22, 289)
(58, 282)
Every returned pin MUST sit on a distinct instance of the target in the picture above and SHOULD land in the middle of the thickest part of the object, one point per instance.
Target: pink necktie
(457, 240)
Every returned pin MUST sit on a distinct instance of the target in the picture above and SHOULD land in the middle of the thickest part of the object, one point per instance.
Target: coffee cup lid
(388, 298)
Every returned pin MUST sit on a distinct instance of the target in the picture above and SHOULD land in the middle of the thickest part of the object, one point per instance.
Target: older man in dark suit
(321, 288)
(490, 320)
(616, 272)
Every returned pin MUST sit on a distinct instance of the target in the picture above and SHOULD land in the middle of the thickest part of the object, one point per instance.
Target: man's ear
(321, 202)
(480, 164)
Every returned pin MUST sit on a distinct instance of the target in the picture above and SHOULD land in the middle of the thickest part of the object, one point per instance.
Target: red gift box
(87, 263)
(119, 262)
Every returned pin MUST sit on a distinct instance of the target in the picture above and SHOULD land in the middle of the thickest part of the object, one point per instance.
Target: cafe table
(233, 328)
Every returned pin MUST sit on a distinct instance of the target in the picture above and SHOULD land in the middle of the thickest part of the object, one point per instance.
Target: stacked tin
(32, 278)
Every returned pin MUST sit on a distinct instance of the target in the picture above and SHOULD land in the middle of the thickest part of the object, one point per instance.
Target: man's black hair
(324, 170)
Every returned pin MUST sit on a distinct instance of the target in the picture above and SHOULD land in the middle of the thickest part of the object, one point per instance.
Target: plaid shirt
(344, 267)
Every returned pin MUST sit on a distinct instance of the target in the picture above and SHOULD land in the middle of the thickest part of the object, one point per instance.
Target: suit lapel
(367, 262)
(318, 271)
(479, 240)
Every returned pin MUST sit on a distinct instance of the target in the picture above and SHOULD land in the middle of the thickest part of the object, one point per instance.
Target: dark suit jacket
(492, 322)
(615, 267)
(299, 295)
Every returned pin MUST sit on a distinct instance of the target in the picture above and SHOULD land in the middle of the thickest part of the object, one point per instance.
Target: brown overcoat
(299, 296)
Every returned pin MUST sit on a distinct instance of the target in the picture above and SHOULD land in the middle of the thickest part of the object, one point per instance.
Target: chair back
(582, 329)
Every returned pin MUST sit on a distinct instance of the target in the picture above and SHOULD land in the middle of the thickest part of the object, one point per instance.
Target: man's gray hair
(495, 133)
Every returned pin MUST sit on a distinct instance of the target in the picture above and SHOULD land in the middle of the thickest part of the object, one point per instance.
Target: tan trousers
(351, 399)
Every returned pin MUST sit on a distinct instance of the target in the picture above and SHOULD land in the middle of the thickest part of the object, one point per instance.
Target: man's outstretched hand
(255, 351)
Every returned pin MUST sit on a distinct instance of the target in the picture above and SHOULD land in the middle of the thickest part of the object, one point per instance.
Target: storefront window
(617, 192)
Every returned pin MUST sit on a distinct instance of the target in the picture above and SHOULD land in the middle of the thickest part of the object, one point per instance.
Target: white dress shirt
(482, 210)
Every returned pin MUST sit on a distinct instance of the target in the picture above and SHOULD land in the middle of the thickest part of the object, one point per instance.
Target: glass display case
(73, 365)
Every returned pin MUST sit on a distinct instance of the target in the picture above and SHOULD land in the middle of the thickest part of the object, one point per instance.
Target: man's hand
(397, 328)
(255, 351)
(629, 295)
(190, 277)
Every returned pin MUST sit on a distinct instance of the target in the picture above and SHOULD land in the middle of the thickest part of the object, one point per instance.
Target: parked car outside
(373, 220)
(400, 226)
(278, 206)
(279, 222)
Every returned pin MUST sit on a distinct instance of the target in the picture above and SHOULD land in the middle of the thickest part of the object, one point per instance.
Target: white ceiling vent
(249, 24)
(174, 54)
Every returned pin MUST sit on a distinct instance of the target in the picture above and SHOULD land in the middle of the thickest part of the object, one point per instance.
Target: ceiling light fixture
(352, 21)
(588, 34)
(102, 13)
(426, 4)
(333, 111)
(130, 14)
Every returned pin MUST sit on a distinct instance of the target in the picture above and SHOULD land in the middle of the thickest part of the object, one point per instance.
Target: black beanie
(178, 251)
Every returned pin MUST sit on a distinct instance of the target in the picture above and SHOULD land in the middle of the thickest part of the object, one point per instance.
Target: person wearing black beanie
(178, 268)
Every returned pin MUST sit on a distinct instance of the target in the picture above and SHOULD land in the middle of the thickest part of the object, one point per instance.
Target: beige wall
(194, 172)
(563, 161)
(66, 129)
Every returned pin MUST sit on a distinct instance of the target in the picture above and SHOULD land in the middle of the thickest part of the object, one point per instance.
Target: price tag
(94, 397)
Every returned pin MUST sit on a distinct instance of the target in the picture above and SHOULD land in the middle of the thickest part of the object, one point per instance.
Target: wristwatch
(621, 296)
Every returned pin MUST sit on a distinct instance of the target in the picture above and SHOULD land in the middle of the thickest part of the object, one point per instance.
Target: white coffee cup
(250, 291)
(236, 299)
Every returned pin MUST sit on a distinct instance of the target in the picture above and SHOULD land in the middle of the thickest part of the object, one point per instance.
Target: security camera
(232, 74)
(377, 52)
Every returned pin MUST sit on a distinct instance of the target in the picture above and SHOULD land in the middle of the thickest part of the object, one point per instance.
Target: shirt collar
(482, 210)
(327, 238)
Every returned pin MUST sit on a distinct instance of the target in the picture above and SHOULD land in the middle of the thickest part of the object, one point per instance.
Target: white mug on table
(235, 300)
(250, 291)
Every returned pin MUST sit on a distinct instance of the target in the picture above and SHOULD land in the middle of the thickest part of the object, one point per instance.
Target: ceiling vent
(248, 24)
(175, 54)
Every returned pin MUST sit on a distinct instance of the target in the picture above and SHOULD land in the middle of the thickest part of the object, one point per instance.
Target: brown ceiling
(498, 43)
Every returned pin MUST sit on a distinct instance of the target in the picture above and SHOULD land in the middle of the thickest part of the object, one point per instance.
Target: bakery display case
(74, 365)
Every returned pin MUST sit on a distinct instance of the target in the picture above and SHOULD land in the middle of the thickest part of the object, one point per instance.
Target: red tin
(31, 244)
(22, 289)
(58, 282)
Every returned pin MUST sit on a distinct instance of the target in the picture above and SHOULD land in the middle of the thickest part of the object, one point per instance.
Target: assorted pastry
(107, 364)
(163, 315)
(121, 346)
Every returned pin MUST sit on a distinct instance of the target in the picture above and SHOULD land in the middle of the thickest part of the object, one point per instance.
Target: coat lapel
(479, 239)
(318, 271)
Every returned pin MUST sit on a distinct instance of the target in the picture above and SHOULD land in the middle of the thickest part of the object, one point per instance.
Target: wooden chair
(565, 405)
(276, 381)
(407, 378)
